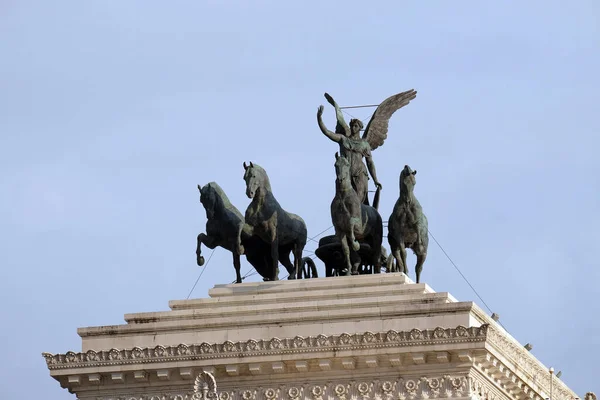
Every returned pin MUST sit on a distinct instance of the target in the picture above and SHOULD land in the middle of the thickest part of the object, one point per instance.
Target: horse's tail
(376, 199)
(308, 269)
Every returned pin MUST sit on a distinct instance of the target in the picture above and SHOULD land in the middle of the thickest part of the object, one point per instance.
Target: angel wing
(377, 128)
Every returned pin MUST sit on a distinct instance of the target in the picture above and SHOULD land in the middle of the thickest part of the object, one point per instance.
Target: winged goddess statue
(354, 147)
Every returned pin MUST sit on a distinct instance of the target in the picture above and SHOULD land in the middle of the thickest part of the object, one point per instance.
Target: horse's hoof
(200, 260)
(291, 277)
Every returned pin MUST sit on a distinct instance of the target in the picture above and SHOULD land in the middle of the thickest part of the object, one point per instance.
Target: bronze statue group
(267, 234)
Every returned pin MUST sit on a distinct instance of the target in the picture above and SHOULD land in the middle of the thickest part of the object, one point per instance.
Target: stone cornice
(274, 346)
(528, 364)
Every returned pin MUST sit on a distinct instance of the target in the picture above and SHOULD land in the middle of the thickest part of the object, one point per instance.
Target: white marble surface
(287, 309)
(377, 336)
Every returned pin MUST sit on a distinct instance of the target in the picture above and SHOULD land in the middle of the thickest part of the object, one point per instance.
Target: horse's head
(256, 179)
(208, 198)
(407, 178)
(342, 169)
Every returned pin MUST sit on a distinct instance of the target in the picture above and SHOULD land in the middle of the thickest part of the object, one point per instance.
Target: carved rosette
(294, 393)
(317, 392)
(342, 391)
(248, 394)
(433, 386)
(387, 389)
(272, 394)
(364, 389)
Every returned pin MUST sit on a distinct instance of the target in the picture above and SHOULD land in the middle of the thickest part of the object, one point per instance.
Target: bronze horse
(354, 221)
(284, 232)
(223, 226)
(407, 225)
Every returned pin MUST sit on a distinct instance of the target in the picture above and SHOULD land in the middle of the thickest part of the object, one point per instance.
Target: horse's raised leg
(199, 258)
(237, 266)
(419, 267)
(208, 242)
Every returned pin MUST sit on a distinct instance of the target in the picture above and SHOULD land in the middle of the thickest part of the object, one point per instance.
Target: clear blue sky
(112, 112)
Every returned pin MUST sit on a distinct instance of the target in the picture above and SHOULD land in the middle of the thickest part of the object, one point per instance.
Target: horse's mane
(224, 199)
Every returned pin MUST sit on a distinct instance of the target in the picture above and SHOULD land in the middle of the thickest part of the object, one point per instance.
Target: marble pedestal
(346, 338)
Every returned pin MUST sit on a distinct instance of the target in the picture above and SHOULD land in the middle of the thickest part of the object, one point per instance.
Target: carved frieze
(405, 388)
(298, 344)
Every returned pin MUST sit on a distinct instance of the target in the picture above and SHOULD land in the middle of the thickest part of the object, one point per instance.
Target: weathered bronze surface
(407, 225)
(354, 147)
(267, 234)
(284, 232)
(354, 221)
